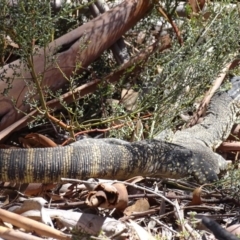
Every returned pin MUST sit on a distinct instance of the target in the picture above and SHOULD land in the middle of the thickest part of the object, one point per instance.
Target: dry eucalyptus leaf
(113, 103)
(4, 198)
(108, 196)
(141, 36)
(196, 198)
(129, 98)
(152, 224)
(10, 42)
(34, 189)
(141, 205)
(141, 232)
(54, 196)
(93, 224)
(138, 131)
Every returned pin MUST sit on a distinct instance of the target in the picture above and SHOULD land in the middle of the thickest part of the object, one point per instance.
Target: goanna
(191, 152)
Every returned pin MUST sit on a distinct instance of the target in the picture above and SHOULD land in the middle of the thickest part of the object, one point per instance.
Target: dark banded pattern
(191, 152)
(36, 165)
(102, 159)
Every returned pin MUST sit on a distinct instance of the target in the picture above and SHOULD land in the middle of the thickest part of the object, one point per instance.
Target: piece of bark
(108, 196)
(91, 86)
(96, 35)
(119, 48)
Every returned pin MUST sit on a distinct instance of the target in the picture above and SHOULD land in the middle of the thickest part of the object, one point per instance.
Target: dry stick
(174, 26)
(184, 225)
(31, 225)
(163, 225)
(235, 133)
(10, 234)
(106, 129)
(204, 104)
(230, 146)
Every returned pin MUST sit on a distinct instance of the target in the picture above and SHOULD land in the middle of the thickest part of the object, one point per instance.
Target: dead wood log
(85, 44)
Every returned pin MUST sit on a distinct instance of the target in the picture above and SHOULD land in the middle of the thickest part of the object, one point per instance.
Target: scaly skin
(190, 154)
(97, 159)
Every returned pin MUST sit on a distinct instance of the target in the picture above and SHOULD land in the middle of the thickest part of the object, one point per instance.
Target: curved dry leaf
(37, 140)
(141, 205)
(4, 198)
(93, 224)
(31, 204)
(113, 103)
(108, 196)
(10, 42)
(122, 200)
(95, 199)
(196, 198)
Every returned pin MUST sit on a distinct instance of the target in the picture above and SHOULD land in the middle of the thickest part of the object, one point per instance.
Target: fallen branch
(89, 41)
(9, 234)
(229, 146)
(31, 225)
(91, 86)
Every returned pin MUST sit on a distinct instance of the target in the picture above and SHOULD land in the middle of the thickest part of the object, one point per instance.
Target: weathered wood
(96, 35)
